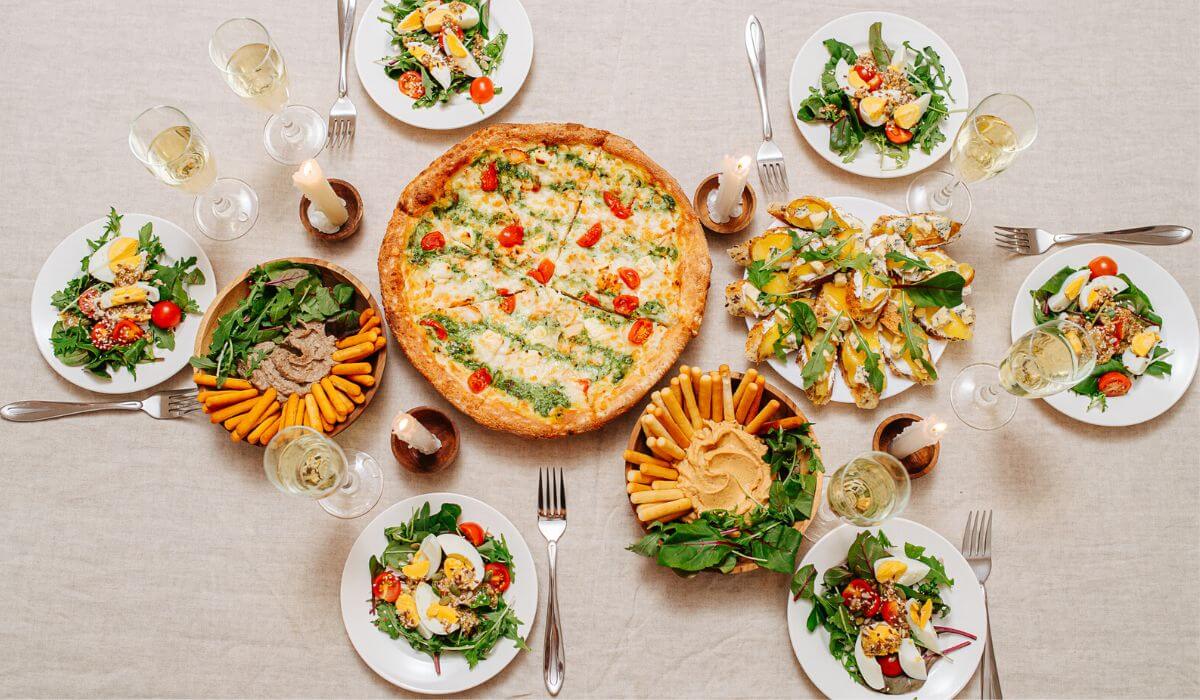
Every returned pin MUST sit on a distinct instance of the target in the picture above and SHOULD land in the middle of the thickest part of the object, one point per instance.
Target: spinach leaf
(865, 551)
(942, 290)
(1139, 301)
(937, 570)
(879, 50)
(803, 584)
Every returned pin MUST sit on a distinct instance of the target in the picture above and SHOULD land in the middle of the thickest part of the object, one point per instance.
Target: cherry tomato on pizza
(434, 240)
(618, 208)
(438, 329)
(479, 380)
(490, 179)
(630, 277)
(625, 304)
(512, 235)
(641, 330)
(590, 237)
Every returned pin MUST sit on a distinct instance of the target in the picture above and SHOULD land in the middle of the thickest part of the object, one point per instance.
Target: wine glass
(174, 151)
(253, 67)
(302, 462)
(1047, 360)
(1000, 127)
(866, 491)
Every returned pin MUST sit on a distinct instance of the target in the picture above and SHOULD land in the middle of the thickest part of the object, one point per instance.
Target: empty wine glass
(253, 67)
(174, 151)
(999, 128)
(302, 462)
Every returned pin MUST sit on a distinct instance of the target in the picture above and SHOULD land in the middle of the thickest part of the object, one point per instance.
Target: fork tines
(552, 494)
(341, 132)
(183, 402)
(773, 176)
(977, 537)
(1014, 240)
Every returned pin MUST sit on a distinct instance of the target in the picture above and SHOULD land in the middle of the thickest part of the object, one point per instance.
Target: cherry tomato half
(640, 331)
(891, 612)
(473, 532)
(508, 303)
(166, 314)
(618, 208)
(1114, 383)
(479, 380)
(101, 335)
(890, 665)
(897, 134)
(625, 304)
(511, 235)
(543, 272)
(497, 576)
(490, 179)
(434, 240)
(590, 298)
(865, 72)
(438, 329)
(482, 90)
(89, 303)
(126, 331)
(590, 237)
(386, 587)
(1102, 266)
(411, 85)
(630, 277)
(860, 596)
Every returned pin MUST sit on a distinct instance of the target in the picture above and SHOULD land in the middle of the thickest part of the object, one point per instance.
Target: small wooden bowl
(439, 424)
(700, 201)
(919, 463)
(331, 274)
(353, 199)
(787, 408)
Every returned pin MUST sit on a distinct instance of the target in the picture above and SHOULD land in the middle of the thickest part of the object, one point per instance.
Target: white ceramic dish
(967, 613)
(852, 29)
(63, 265)
(867, 210)
(1150, 396)
(394, 659)
(372, 42)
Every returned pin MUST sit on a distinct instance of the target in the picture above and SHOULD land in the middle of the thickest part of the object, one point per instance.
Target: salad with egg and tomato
(879, 608)
(444, 49)
(894, 99)
(440, 584)
(1118, 316)
(128, 301)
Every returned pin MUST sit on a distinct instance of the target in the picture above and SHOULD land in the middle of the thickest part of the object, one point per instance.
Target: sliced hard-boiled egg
(466, 15)
(411, 22)
(908, 114)
(132, 294)
(920, 621)
(873, 110)
(433, 62)
(901, 570)
(438, 618)
(1140, 353)
(1069, 291)
(911, 660)
(436, 19)
(1094, 293)
(458, 55)
(459, 554)
(406, 607)
(114, 256)
(425, 560)
(867, 665)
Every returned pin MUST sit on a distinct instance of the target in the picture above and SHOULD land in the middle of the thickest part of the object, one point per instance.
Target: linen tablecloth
(153, 558)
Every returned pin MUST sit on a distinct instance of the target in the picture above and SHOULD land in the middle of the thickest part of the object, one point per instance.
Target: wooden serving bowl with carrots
(332, 404)
(655, 445)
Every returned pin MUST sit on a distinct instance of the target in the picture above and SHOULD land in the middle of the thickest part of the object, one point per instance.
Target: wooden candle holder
(700, 201)
(440, 425)
(919, 463)
(353, 200)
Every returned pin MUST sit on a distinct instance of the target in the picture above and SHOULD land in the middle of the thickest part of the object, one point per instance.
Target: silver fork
(772, 171)
(1035, 241)
(164, 405)
(977, 548)
(552, 522)
(342, 115)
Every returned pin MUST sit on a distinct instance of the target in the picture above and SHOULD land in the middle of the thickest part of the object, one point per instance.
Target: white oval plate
(852, 29)
(1150, 397)
(372, 42)
(867, 210)
(967, 613)
(63, 265)
(394, 659)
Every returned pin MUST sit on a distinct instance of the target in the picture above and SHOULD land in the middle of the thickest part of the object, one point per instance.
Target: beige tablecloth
(144, 558)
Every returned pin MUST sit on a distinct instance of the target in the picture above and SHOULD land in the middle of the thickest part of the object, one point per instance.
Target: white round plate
(394, 659)
(63, 266)
(372, 42)
(852, 30)
(867, 210)
(1150, 396)
(967, 613)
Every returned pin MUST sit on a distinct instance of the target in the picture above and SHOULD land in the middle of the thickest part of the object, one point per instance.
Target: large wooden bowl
(787, 408)
(234, 292)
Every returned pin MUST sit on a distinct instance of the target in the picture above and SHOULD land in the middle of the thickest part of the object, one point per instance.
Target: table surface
(144, 558)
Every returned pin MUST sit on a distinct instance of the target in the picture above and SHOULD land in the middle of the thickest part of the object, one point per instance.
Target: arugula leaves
(907, 263)
(817, 365)
(914, 342)
(871, 362)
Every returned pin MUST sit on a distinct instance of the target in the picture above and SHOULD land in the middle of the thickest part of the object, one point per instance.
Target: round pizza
(544, 276)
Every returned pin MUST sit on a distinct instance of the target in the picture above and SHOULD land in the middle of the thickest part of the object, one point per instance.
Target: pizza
(544, 276)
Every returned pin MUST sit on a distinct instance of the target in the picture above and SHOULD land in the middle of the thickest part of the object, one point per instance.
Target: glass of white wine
(1000, 127)
(253, 67)
(1049, 359)
(302, 462)
(174, 151)
(866, 491)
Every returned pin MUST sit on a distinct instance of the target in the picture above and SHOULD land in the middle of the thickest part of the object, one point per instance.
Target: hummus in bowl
(724, 469)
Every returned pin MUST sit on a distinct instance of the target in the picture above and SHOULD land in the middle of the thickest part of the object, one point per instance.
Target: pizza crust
(428, 187)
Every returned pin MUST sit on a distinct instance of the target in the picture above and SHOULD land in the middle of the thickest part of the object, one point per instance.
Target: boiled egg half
(1140, 353)
(1069, 291)
(920, 621)
(867, 665)
(458, 554)
(433, 62)
(438, 618)
(1092, 295)
(901, 570)
(873, 110)
(132, 294)
(908, 114)
(425, 560)
(458, 55)
(911, 660)
(115, 255)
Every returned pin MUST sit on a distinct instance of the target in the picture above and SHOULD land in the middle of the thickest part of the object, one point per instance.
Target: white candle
(410, 430)
(312, 183)
(728, 200)
(914, 437)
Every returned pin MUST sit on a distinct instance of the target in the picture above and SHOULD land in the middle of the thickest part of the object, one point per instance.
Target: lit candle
(920, 434)
(312, 183)
(726, 201)
(410, 430)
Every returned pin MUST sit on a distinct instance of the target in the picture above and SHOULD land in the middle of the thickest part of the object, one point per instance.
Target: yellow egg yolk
(891, 570)
(120, 252)
(417, 567)
(453, 565)
(920, 614)
(1143, 342)
(1072, 289)
(444, 613)
(406, 604)
(128, 295)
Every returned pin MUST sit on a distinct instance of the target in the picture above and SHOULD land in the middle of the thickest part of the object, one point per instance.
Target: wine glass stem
(942, 196)
(988, 394)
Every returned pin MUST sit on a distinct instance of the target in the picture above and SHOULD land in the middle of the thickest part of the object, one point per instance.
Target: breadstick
(347, 369)
(372, 322)
(639, 458)
(656, 472)
(354, 353)
(652, 427)
(380, 342)
(673, 429)
(222, 400)
(762, 416)
(269, 433)
(254, 415)
(654, 511)
(689, 401)
(728, 410)
(669, 448)
(312, 414)
(203, 379)
(232, 422)
(268, 418)
(341, 403)
(327, 426)
(230, 411)
(656, 400)
(718, 405)
(361, 337)
(366, 314)
(744, 385)
(743, 408)
(634, 487)
(323, 404)
(654, 445)
(758, 397)
(783, 423)
(674, 389)
(672, 516)
(676, 411)
(664, 484)
(704, 403)
(634, 476)
(348, 387)
(289, 411)
(653, 496)
(363, 379)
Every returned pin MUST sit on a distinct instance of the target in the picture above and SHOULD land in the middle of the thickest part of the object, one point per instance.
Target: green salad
(439, 584)
(895, 98)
